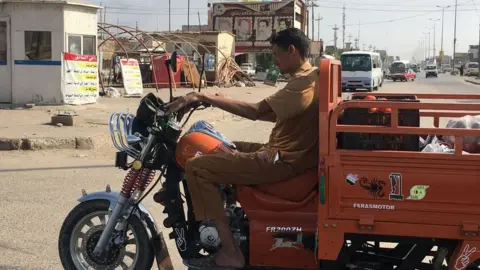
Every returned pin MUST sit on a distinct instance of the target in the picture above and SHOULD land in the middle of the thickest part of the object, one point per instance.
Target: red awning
(240, 53)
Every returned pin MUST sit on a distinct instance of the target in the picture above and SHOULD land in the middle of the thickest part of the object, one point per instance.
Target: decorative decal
(374, 187)
(374, 206)
(351, 179)
(464, 259)
(181, 242)
(281, 243)
(396, 191)
(418, 192)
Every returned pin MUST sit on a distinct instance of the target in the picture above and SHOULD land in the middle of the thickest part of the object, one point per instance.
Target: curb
(472, 82)
(46, 143)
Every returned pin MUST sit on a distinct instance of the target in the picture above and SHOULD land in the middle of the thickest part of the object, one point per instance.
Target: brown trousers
(251, 165)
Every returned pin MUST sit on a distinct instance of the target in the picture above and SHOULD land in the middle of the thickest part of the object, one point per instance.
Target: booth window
(3, 41)
(89, 45)
(82, 44)
(38, 45)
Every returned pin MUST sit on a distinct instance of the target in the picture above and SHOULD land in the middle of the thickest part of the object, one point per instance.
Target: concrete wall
(80, 20)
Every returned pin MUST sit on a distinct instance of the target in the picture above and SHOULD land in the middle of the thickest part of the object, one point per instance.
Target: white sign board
(80, 79)
(132, 78)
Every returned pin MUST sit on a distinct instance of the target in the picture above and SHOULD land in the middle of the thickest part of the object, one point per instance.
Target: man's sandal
(208, 262)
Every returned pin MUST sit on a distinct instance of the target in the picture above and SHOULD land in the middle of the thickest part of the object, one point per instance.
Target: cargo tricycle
(376, 201)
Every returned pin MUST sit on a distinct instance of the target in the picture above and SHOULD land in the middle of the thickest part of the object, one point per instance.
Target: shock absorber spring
(129, 182)
(146, 177)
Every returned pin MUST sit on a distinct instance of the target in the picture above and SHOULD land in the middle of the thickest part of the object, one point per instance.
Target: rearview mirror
(173, 61)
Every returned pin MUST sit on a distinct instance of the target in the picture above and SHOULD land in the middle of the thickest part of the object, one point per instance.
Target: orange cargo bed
(387, 192)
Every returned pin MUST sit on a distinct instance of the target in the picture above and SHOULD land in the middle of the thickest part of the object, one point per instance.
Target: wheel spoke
(130, 254)
(89, 223)
(131, 241)
(102, 219)
(123, 265)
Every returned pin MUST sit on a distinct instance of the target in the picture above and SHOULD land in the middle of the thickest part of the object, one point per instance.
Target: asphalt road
(39, 188)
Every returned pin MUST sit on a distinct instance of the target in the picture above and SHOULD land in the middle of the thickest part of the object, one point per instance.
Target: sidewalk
(473, 80)
(30, 128)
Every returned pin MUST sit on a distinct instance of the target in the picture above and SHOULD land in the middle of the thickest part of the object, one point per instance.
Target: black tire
(145, 249)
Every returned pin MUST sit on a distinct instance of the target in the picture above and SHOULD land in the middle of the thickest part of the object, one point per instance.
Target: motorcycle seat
(293, 190)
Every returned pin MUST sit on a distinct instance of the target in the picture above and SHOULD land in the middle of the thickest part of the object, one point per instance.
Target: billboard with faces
(253, 23)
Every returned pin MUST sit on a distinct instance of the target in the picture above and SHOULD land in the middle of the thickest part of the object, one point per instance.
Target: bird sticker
(418, 192)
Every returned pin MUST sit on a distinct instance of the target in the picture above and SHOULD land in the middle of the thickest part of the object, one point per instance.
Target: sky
(395, 26)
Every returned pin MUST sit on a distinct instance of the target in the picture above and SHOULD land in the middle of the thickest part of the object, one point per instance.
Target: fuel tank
(201, 139)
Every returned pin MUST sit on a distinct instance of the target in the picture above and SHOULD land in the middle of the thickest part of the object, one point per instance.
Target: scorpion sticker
(375, 187)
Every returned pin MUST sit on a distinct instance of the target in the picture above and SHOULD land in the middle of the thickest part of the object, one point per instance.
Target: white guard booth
(33, 36)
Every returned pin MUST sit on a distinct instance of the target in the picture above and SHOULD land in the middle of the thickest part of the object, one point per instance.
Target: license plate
(354, 83)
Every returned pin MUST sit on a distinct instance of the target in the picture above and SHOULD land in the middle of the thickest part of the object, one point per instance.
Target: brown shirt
(295, 134)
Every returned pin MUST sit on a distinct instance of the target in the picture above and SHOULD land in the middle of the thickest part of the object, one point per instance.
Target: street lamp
(443, 16)
(434, 27)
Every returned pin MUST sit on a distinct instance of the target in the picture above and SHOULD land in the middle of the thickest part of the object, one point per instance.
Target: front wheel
(81, 231)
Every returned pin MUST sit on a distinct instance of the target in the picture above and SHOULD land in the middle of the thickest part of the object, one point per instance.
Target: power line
(379, 4)
(391, 10)
(150, 13)
(393, 20)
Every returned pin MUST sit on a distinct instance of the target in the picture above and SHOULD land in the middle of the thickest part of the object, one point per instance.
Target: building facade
(254, 23)
(33, 35)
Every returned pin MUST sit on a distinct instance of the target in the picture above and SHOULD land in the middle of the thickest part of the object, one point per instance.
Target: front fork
(120, 206)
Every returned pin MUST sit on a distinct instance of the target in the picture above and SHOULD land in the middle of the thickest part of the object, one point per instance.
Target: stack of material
(228, 73)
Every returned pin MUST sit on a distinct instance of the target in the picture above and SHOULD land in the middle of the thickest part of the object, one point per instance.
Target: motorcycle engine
(209, 238)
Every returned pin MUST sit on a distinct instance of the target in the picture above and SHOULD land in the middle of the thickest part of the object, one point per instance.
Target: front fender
(145, 216)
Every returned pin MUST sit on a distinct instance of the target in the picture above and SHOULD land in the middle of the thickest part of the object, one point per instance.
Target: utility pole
(199, 22)
(188, 18)
(428, 48)
(318, 26)
(343, 27)
(443, 23)
(358, 36)
(356, 44)
(434, 27)
(478, 51)
(169, 16)
(454, 34)
(335, 29)
(313, 4)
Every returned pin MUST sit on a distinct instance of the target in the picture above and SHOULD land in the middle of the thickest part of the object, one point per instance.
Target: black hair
(265, 21)
(294, 37)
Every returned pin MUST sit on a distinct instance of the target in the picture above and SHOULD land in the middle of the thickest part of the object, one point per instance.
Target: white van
(471, 69)
(361, 70)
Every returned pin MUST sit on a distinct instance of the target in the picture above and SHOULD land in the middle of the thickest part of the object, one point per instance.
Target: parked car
(471, 69)
(431, 71)
(248, 68)
(446, 68)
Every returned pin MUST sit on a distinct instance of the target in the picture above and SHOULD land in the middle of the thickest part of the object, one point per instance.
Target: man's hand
(183, 102)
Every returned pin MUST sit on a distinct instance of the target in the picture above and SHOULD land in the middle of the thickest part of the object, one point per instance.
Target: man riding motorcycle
(291, 149)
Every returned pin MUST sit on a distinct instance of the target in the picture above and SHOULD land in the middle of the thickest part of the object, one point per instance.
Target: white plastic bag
(436, 146)
(470, 143)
